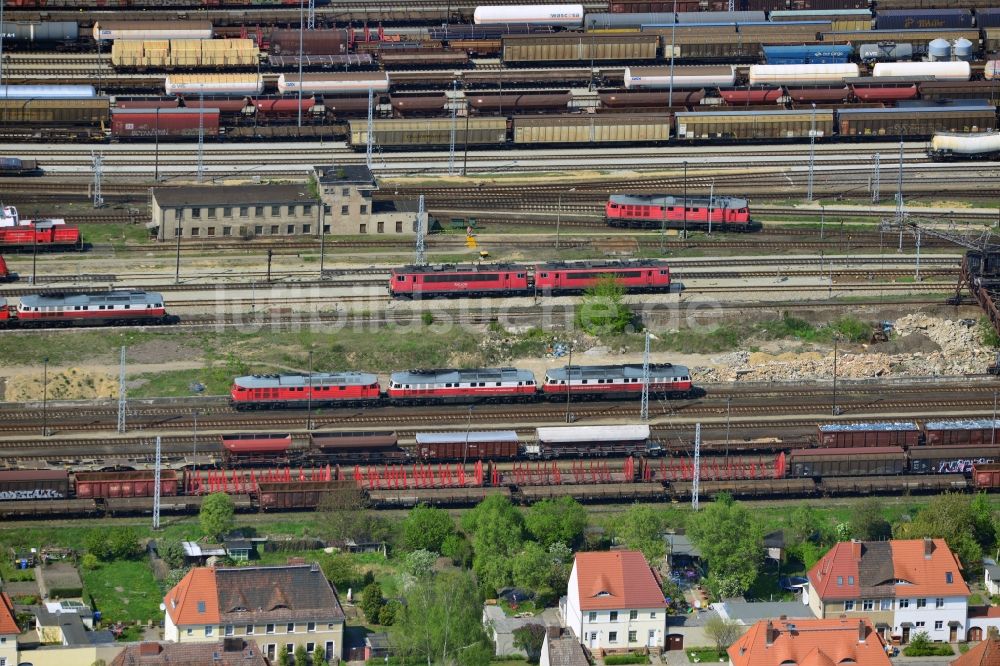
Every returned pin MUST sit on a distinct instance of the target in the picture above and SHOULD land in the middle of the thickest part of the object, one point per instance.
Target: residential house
(8, 632)
(991, 574)
(63, 636)
(377, 646)
(561, 648)
(614, 602)
(902, 586)
(809, 642)
(227, 652)
(273, 606)
(986, 653)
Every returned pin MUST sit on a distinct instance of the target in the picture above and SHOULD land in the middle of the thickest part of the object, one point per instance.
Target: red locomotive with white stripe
(617, 381)
(574, 278)
(647, 211)
(113, 308)
(36, 234)
(4, 273)
(472, 385)
(344, 389)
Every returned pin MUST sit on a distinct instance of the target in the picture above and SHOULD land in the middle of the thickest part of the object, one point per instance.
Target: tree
(301, 656)
(284, 659)
(319, 656)
(339, 569)
(532, 567)
(371, 602)
(388, 613)
(949, 517)
(458, 548)
(171, 552)
(97, 544)
(344, 515)
(639, 529)
(123, 543)
(867, 522)
(722, 632)
(441, 622)
(731, 540)
(89, 561)
(216, 515)
(426, 528)
(420, 563)
(562, 520)
(982, 520)
(602, 310)
(497, 529)
(530, 638)
(804, 524)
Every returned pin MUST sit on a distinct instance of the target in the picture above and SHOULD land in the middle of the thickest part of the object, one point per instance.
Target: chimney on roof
(771, 634)
(928, 547)
(783, 617)
(149, 649)
(862, 633)
(553, 632)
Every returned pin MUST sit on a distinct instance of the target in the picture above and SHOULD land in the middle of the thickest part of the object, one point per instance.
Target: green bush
(65, 592)
(921, 646)
(89, 561)
(631, 658)
(988, 333)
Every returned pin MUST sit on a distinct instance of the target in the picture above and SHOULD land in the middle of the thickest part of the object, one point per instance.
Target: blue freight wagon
(808, 54)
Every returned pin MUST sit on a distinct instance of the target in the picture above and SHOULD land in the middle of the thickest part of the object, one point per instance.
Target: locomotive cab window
(400, 278)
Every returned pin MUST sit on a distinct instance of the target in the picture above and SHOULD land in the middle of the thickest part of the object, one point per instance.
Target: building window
(306, 228)
(196, 213)
(326, 228)
(310, 647)
(904, 603)
(849, 605)
(345, 192)
(227, 211)
(363, 229)
(939, 624)
(381, 227)
(920, 624)
(258, 211)
(921, 603)
(275, 211)
(652, 615)
(259, 230)
(344, 210)
(290, 628)
(290, 648)
(229, 630)
(326, 209)
(269, 629)
(939, 603)
(886, 605)
(633, 615)
(364, 209)
(613, 617)
(840, 580)
(271, 651)
(592, 617)
(227, 231)
(307, 209)
(209, 630)
(399, 226)
(210, 231)
(249, 630)
(868, 605)
(195, 231)
(3, 661)
(211, 212)
(244, 211)
(612, 636)
(274, 229)
(290, 229)
(631, 637)
(190, 631)
(311, 626)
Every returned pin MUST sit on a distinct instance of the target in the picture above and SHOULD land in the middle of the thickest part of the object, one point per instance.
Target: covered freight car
(858, 435)
(922, 19)
(560, 48)
(124, 484)
(160, 30)
(47, 92)
(55, 112)
(915, 121)
(867, 461)
(164, 123)
(474, 445)
(754, 125)
(592, 441)
(425, 133)
(314, 42)
(30, 484)
(951, 459)
(590, 129)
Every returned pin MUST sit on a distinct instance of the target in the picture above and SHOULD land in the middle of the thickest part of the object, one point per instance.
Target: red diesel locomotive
(647, 211)
(475, 385)
(514, 279)
(113, 308)
(323, 389)
(617, 381)
(4, 273)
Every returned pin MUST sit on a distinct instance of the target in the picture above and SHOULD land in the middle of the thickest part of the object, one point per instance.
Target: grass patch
(117, 235)
(720, 338)
(64, 347)
(124, 591)
(177, 383)
(698, 655)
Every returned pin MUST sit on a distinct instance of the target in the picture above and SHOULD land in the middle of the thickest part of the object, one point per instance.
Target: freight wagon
(867, 461)
(918, 39)
(125, 484)
(313, 42)
(15, 166)
(915, 121)
(683, 77)
(858, 435)
(808, 54)
(954, 433)
(164, 123)
(563, 48)
(580, 441)
(431, 132)
(513, 104)
(951, 459)
(470, 445)
(924, 19)
(356, 447)
(946, 147)
(753, 125)
(589, 129)
(34, 484)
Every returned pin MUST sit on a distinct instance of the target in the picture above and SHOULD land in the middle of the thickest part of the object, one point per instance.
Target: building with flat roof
(234, 211)
(350, 208)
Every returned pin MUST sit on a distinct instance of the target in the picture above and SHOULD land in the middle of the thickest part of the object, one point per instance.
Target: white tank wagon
(213, 84)
(982, 146)
(802, 75)
(562, 16)
(707, 76)
(940, 71)
(146, 30)
(356, 83)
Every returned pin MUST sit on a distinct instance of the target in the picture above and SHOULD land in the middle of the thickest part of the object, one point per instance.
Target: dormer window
(949, 577)
(201, 606)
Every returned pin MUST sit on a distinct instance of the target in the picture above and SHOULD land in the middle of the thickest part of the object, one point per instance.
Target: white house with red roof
(8, 632)
(903, 586)
(614, 602)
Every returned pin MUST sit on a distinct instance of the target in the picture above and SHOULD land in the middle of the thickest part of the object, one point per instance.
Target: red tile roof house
(8, 632)
(614, 602)
(273, 606)
(986, 653)
(902, 586)
(809, 643)
(227, 652)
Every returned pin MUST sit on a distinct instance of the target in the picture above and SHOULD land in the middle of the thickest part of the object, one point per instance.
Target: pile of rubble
(921, 346)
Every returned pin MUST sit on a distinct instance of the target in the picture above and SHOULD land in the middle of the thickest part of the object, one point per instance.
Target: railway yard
(621, 251)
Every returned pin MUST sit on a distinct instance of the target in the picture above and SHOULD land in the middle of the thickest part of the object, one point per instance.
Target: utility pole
(371, 126)
(812, 156)
(177, 262)
(711, 205)
(696, 481)
(836, 339)
(45, 397)
(421, 254)
(685, 199)
(156, 487)
(899, 189)
(201, 136)
(644, 409)
(311, 16)
(97, 159)
(309, 404)
(876, 178)
(1, 42)
(916, 275)
(568, 383)
(454, 128)
(122, 399)
(673, 50)
(301, 29)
